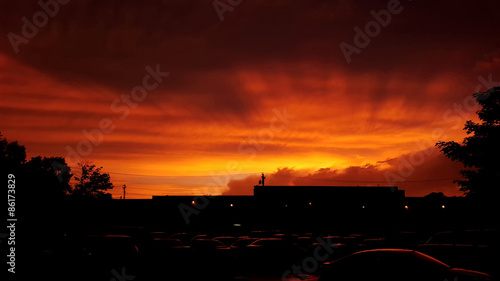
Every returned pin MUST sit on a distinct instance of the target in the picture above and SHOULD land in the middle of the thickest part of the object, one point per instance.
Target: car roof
(271, 239)
(408, 252)
(388, 250)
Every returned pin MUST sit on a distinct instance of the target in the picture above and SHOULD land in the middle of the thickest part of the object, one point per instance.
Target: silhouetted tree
(47, 181)
(480, 151)
(12, 155)
(38, 177)
(39, 192)
(91, 183)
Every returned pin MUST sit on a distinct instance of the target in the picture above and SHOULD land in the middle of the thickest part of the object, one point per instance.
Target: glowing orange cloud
(267, 89)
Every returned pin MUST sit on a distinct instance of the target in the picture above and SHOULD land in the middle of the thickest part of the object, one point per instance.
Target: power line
(374, 181)
(287, 176)
(161, 176)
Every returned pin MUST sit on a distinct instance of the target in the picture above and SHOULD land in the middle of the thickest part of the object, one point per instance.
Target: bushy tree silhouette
(12, 155)
(37, 177)
(480, 151)
(42, 182)
(45, 180)
(91, 183)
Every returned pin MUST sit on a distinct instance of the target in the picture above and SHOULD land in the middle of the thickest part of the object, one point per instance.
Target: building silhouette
(331, 197)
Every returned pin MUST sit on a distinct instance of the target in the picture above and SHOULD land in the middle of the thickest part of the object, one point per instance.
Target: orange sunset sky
(267, 89)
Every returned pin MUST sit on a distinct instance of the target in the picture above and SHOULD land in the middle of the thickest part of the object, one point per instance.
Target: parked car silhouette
(184, 237)
(475, 249)
(101, 253)
(207, 245)
(159, 235)
(242, 242)
(199, 236)
(160, 246)
(271, 254)
(305, 242)
(394, 265)
(226, 240)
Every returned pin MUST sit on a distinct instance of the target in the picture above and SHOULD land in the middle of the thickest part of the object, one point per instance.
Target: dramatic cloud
(266, 88)
(418, 173)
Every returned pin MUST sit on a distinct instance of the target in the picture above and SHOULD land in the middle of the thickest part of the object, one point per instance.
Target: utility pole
(124, 187)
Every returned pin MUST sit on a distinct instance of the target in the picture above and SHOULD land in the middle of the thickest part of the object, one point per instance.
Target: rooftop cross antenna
(262, 180)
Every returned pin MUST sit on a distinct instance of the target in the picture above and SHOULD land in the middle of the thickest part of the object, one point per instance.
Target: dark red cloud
(110, 42)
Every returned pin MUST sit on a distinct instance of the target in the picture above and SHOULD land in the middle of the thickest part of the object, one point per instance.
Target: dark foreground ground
(135, 253)
(134, 241)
